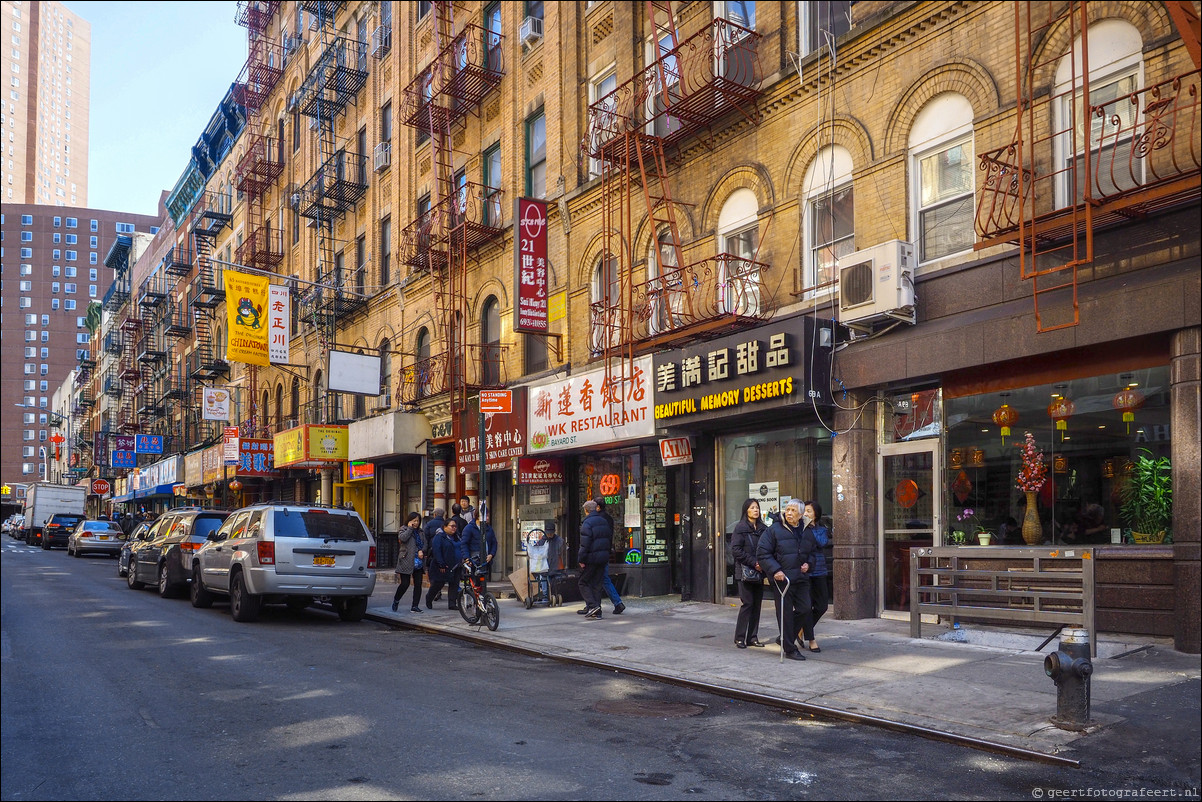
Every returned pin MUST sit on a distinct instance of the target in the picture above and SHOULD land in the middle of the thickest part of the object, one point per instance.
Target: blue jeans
(610, 590)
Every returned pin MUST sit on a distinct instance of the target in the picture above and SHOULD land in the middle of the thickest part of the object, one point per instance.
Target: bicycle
(477, 605)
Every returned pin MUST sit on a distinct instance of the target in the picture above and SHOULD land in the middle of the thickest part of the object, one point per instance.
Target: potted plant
(1148, 499)
(969, 517)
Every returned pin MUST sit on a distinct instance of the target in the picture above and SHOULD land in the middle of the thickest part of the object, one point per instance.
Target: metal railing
(1028, 585)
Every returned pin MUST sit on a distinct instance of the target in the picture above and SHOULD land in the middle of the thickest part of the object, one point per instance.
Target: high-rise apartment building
(53, 267)
(46, 74)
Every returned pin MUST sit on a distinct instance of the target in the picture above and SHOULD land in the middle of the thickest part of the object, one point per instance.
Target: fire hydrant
(1071, 668)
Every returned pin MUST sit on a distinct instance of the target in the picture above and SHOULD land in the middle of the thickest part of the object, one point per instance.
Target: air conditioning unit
(531, 30)
(382, 156)
(877, 284)
(381, 40)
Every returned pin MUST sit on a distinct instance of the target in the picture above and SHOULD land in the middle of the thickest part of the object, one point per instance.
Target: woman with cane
(786, 553)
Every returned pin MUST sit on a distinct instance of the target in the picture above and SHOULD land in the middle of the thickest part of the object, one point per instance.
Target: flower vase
(1032, 528)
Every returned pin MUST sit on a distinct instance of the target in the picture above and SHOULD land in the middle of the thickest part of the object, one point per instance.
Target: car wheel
(120, 569)
(298, 604)
(492, 613)
(131, 575)
(244, 606)
(166, 589)
(201, 598)
(352, 609)
(45, 543)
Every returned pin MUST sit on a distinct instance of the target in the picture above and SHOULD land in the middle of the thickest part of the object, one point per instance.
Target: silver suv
(285, 553)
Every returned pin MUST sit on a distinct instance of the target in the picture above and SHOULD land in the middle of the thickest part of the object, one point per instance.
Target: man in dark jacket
(786, 553)
(596, 542)
(441, 563)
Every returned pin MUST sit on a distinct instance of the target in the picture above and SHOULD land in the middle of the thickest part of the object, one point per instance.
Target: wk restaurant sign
(772, 366)
(590, 408)
(504, 435)
(530, 266)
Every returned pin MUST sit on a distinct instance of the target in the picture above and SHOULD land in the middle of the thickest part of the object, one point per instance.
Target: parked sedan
(57, 531)
(165, 557)
(140, 535)
(95, 537)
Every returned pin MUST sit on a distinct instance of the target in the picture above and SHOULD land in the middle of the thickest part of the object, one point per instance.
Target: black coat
(441, 558)
(596, 540)
(744, 540)
(784, 548)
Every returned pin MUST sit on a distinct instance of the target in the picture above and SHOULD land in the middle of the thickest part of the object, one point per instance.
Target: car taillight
(187, 545)
(266, 552)
(371, 557)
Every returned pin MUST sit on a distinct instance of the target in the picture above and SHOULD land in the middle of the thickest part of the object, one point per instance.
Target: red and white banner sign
(598, 407)
(279, 318)
(530, 266)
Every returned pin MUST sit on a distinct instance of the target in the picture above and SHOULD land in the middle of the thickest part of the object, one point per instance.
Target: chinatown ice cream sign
(601, 406)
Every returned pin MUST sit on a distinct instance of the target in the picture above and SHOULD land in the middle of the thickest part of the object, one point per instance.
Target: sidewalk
(983, 683)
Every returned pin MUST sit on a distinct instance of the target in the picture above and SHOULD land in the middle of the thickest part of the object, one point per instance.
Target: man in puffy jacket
(786, 554)
(441, 565)
(596, 542)
(479, 544)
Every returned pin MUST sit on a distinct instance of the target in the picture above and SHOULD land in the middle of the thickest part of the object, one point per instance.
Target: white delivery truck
(43, 500)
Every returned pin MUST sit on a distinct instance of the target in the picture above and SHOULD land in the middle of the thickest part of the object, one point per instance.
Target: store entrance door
(908, 513)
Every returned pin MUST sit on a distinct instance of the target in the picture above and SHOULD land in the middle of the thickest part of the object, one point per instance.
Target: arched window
(421, 370)
(829, 217)
(738, 240)
(1116, 70)
(490, 335)
(296, 402)
(385, 399)
(316, 413)
(279, 406)
(606, 293)
(262, 417)
(359, 404)
(665, 285)
(941, 170)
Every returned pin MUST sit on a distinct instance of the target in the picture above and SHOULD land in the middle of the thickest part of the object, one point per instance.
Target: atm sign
(675, 451)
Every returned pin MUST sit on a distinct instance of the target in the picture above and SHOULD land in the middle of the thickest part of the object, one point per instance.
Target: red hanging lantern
(1005, 416)
(1127, 401)
(1060, 411)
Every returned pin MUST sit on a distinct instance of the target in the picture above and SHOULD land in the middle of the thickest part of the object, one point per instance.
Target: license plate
(104, 537)
(321, 559)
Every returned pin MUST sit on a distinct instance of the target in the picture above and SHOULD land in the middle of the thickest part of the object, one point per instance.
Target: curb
(804, 708)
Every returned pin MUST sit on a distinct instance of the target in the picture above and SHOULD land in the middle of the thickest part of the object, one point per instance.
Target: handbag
(417, 563)
(750, 574)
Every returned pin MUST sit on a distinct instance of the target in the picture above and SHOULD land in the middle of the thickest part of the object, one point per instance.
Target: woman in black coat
(743, 543)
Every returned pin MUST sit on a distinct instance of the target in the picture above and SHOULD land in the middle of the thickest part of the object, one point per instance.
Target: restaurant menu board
(655, 515)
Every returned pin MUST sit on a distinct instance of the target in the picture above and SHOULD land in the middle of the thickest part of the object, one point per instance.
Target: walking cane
(783, 600)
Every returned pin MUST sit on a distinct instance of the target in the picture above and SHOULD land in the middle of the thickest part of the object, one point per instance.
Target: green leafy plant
(1148, 495)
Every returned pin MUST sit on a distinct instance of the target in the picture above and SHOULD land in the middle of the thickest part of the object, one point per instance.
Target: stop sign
(100, 487)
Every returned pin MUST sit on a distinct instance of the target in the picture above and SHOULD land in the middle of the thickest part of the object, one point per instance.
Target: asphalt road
(109, 693)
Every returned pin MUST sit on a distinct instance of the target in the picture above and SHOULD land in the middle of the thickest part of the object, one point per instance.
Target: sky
(158, 72)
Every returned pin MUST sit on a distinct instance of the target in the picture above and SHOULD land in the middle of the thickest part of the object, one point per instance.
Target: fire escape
(690, 86)
(83, 404)
(206, 292)
(460, 217)
(338, 74)
(263, 161)
(152, 352)
(1080, 162)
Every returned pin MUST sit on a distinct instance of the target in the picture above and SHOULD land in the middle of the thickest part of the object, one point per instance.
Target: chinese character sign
(596, 407)
(530, 276)
(279, 318)
(149, 443)
(246, 305)
(256, 457)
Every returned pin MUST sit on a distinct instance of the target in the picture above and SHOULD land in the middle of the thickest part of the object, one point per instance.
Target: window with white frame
(601, 88)
(941, 170)
(738, 239)
(1103, 140)
(821, 23)
(665, 285)
(829, 209)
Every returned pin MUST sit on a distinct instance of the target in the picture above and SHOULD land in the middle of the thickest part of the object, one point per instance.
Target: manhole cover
(648, 708)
